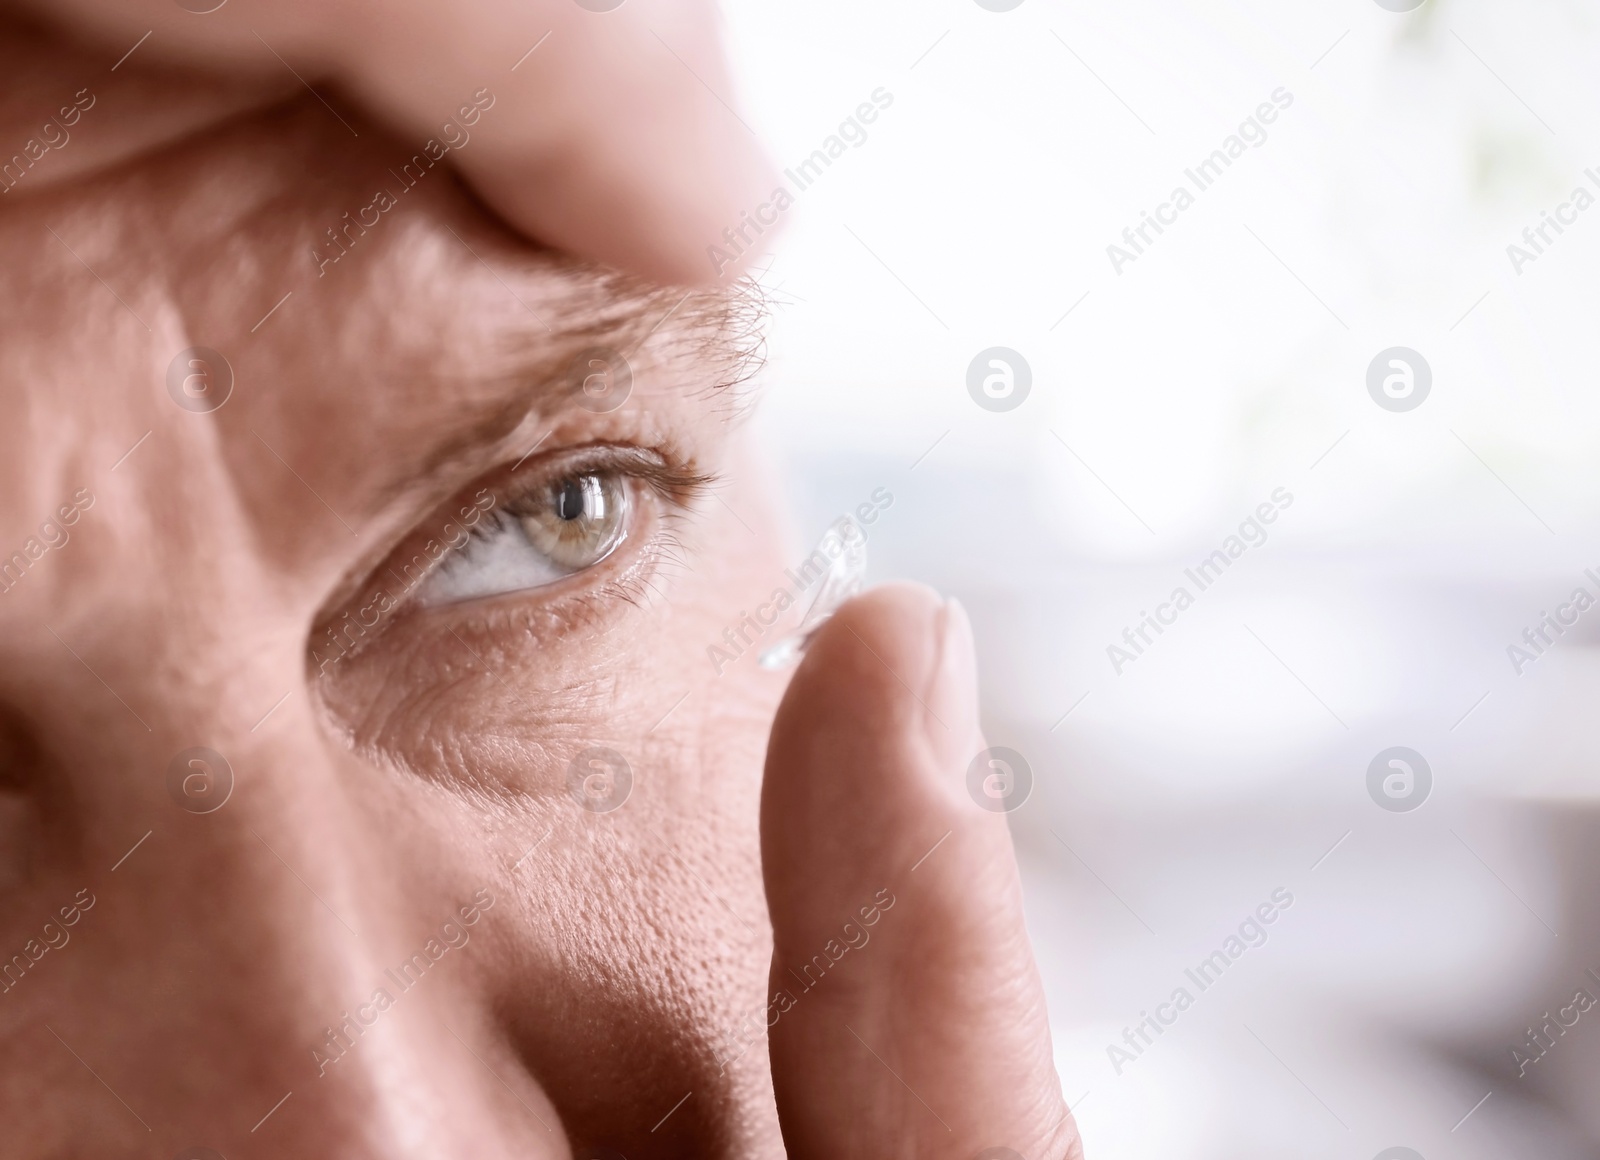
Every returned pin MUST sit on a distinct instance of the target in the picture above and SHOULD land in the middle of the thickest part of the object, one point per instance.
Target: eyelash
(679, 486)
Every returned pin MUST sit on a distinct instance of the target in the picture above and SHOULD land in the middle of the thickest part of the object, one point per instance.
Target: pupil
(570, 499)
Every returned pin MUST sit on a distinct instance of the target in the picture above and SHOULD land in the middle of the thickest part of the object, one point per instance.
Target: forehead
(375, 329)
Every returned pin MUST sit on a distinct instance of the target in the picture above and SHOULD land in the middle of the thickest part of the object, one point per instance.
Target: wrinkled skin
(617, 141)
(587, 979)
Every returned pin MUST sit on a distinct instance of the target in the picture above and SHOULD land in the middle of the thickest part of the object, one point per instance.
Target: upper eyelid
(678, 483)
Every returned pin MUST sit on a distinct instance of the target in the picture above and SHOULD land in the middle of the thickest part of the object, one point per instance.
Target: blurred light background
(1168, 400)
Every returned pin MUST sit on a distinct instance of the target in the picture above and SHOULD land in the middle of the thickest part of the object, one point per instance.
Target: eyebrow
(718, 331)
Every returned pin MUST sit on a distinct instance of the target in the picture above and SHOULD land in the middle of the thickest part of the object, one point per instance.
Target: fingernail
(997, 779)
(953, 704)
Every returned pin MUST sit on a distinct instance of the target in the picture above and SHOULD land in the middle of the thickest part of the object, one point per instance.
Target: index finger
(609, 129)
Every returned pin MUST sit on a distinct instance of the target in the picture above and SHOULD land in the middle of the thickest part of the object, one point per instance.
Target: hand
(914, 1023)
(605, 142)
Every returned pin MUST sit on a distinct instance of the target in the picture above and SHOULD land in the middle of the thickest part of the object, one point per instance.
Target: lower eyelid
(458, 658)
(499, 625)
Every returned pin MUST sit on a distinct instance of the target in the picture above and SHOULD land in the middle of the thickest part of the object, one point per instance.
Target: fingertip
(880, 719)
(898, 622)
(909, 654)
(700, 217)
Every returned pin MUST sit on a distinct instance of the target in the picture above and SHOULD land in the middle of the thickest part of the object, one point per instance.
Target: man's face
(402, 581)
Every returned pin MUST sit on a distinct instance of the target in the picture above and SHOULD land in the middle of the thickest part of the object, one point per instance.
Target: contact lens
(841, 555)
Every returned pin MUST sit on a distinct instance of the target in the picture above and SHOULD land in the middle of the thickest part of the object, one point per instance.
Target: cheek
(663, 895)
(660, 896)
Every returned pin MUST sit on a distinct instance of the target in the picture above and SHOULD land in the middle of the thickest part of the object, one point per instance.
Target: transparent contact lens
(844, 548)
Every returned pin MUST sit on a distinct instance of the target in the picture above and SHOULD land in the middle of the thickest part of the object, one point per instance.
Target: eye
(579, 522)
(551, 531)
